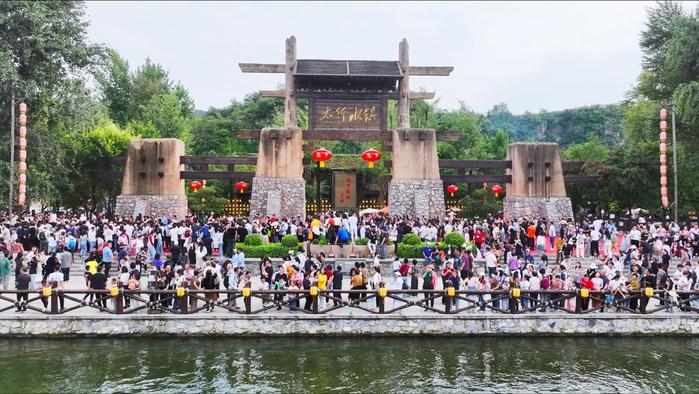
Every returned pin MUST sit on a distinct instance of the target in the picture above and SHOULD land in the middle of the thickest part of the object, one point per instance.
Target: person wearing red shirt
(585, 283)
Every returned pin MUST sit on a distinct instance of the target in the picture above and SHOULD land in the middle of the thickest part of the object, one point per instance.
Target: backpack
(42, 236)
(428, 278)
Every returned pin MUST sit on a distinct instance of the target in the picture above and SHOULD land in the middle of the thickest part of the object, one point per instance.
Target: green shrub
(361, 241)
(266, 250)
(411, 239)
(253, 240)
(454, 239)
(409, 251)
(320, 241)
(290, 241)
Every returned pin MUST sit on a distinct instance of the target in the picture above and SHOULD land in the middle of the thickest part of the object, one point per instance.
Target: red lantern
(371, 155)
(665, 201)
(663, 136)
(195, 185)
(663, 125)
(241, 186)
(452, 189)
(663, 181)
(321, 156)
(663, 159)
(497, 189)
(663, 170)
(663, 191)
(663, 114)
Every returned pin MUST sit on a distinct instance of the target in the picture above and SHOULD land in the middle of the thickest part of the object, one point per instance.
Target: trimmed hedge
(361, 241)
(454, 239)
(290, 241)
(320, 241)
(253, 240)
(411, 239)
(267, 250)
(415, 251)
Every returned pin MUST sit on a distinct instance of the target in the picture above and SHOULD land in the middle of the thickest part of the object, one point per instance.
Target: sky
(528, 55)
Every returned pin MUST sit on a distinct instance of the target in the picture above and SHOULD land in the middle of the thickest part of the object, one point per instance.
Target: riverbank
(555, 324)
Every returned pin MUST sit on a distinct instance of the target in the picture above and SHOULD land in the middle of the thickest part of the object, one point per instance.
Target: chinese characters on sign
(329, 114)
(345, 189)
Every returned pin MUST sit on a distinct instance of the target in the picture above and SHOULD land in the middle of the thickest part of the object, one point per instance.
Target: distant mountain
(566, 127)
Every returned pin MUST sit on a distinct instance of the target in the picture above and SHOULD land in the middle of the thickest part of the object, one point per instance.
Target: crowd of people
(201, 253)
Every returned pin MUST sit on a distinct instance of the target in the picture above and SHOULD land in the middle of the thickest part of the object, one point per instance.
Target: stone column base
(281, 197)
(553, 208)
(421, 198)
(152, 205)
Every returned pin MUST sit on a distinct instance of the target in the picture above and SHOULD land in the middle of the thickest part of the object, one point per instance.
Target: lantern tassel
(321, 164)
(371, 164)
(452, 194)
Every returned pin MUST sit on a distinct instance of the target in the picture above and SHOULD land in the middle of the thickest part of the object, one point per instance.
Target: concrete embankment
(667, 324)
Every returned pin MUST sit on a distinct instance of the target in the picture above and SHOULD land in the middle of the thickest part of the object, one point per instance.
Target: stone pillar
(278, 187)
(537, 189)
(416, 188)
(151, 183)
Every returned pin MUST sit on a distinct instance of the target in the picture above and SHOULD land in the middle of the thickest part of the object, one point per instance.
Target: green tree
(117, 88)
(44, 57)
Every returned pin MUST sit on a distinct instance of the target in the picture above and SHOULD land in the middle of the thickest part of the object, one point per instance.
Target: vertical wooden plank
(290, 110)
(404, 86)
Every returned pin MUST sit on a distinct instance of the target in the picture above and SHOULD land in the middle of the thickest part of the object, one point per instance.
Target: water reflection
(349, 365)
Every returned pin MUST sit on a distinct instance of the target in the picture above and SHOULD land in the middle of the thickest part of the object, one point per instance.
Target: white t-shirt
(55, 277)
(490, 260)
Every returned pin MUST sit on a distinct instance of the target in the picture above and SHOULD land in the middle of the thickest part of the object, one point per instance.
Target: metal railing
(317, 301)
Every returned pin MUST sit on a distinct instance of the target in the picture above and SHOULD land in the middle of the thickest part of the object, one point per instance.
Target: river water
(374, 365)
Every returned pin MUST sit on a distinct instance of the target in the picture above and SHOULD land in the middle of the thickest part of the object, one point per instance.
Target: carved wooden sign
(347, 114)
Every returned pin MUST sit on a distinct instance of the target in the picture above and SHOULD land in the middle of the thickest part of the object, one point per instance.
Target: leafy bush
(290, 241)
(361, 241)
(411, 239)
(320, 241)
(409, 251)
(266, 250)
(454, 239)
(253, 240)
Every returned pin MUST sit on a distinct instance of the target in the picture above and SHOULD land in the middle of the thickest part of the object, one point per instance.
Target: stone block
(284, 197)
(553, 208)
(422, 198)
(152, 205)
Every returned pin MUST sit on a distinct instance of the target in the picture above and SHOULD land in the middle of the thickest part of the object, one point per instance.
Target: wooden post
(247, 301)
(290, 110)
(184, 304)
(315, 304)
(447, 305)
(119, 300)
(404, 86)
(54, 302)
(382, 304)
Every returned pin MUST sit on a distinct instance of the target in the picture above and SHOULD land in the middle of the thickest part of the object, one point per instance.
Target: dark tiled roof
(349, 68)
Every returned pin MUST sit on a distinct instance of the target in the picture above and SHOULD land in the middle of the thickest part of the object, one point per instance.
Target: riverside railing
(316, 301)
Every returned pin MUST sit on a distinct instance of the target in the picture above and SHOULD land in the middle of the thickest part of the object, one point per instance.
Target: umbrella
(368, 211)
(384, 210)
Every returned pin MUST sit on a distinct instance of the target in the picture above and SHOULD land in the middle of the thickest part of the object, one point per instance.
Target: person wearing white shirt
(352, 221)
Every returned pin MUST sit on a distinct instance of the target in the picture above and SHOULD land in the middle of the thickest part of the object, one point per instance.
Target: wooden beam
(273, 93)
(290, 109)
(106, 175)
(346, 135)
(431, 71)
(262, 68)
(476, 178)
(580, 179)
(421, 95)
(218, 160)
(403, 105)
(413, 95)
(245, 176)
(572, 164)
(448, 136)
(475, 164)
